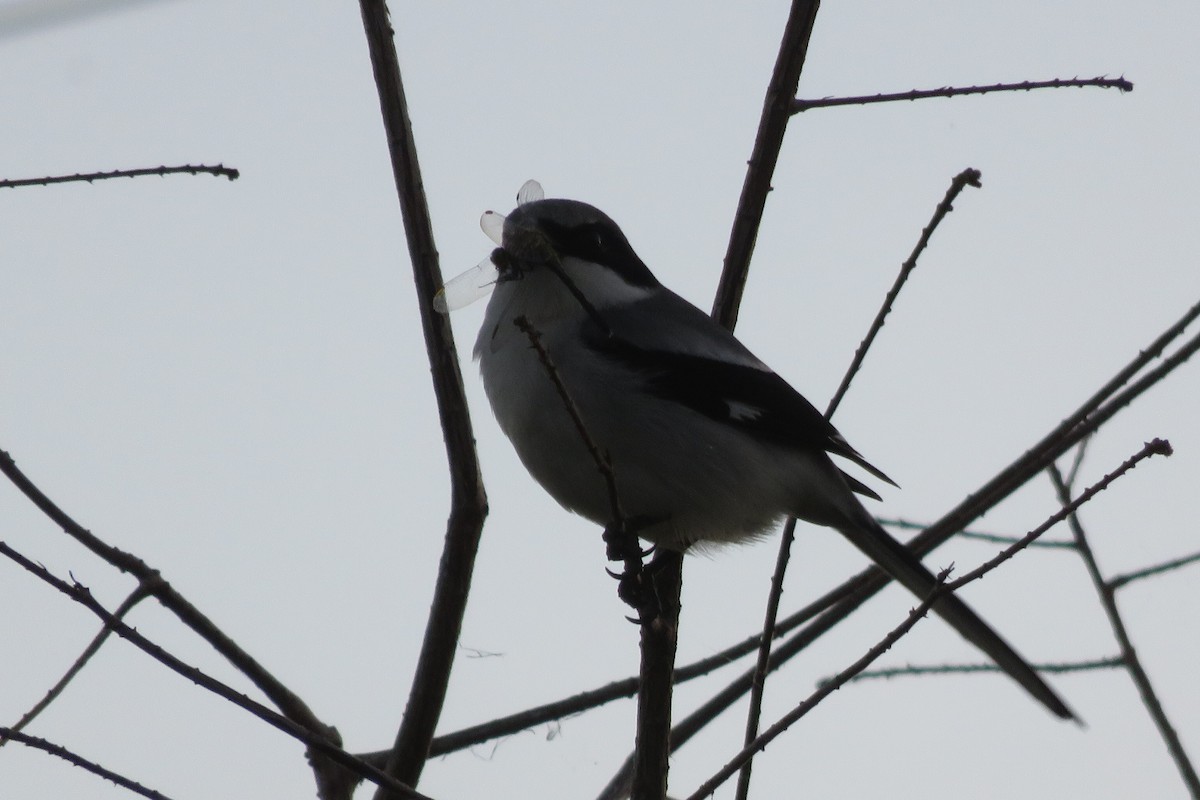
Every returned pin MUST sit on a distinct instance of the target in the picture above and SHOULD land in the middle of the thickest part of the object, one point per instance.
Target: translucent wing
(493, 225)
(465, 289)
(530, 191)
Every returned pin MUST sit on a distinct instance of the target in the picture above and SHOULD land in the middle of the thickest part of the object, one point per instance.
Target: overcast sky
(228, 379)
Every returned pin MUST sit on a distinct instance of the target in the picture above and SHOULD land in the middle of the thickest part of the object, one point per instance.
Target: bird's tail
(870, 537)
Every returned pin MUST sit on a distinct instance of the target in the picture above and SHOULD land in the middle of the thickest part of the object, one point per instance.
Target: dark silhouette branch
(1117, 581)
(220, 171)
(968, 177)
(1129, 654)
(993, 538)
(468, 500)
(777, 108)
(1156, 447)
(799, 105)
(317, 743)
(913, 670)
(770, 734)
(136, 596)
(79, 761)
(293, 708)
(759, 680)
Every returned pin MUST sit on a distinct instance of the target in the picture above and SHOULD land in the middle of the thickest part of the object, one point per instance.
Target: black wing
(753, 399)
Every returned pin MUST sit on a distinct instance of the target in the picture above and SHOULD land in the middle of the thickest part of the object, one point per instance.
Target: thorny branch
(888, 673)
(136, 596)
(317, 743)
(799, 105)
(968, 177)
(1156, 447)
(79, 761)
(219, 170)
(1129, 654)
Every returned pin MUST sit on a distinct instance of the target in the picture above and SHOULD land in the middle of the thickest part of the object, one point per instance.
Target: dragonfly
(478, 282)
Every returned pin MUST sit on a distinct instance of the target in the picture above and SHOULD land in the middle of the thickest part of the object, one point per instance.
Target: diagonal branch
(799, 105)
(777, 108)
(1117, 581)
(468, 501)
(760, 743)
(968, 177)
(1129, 654)
(317, 743)
(79, 761)
(136, 596)
(1056, 668)
(288, 702)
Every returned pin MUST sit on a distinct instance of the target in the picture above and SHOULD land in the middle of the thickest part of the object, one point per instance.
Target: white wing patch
(743, 412)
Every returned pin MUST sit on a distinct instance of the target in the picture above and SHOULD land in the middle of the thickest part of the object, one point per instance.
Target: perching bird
(706, 443)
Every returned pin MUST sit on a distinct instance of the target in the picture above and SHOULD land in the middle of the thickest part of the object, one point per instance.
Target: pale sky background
(228, 379)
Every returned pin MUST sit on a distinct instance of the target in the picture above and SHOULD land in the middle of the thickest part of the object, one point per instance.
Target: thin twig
(1129, 654)
(1112, 662)
(79, 761)
(317, 744)
(220, 171)
(993, 538)
(773, 122)
(1118, 581)
(330, 781)
(468, 509)
(799, 105)
(1155, 447)
(622, 540)
(789, 719)
(777, 108)
(136, 596)
(968, 177)
(759, 680)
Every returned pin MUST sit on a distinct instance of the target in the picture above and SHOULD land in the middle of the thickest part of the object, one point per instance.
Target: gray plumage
(705, 441)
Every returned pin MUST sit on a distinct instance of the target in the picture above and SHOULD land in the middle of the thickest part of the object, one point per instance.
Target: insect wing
(492, 224)
(530, 191)
(468, 287)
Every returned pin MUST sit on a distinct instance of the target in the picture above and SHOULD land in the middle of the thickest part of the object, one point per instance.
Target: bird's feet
(635, 583)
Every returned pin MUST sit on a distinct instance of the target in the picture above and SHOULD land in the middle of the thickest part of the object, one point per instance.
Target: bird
(705, 444)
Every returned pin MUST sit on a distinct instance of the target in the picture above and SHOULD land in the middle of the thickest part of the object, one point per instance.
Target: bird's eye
(598, 240)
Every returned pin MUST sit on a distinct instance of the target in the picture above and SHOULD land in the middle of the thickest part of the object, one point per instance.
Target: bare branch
(789, 719)
(994, 538)
(315, 741)
(621, 538)
(1112, 662)
(1118, 581)
(799, 105)
(296, 710)
(1155, 447)
(136, 596)
(79, 761)
(968, 177)
(657, 671)
(220, 171)
(468, 500)
(776, 110)
(759, 680)
(1129, 654)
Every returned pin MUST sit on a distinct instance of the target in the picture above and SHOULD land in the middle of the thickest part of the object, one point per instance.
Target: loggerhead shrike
(706, 443)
